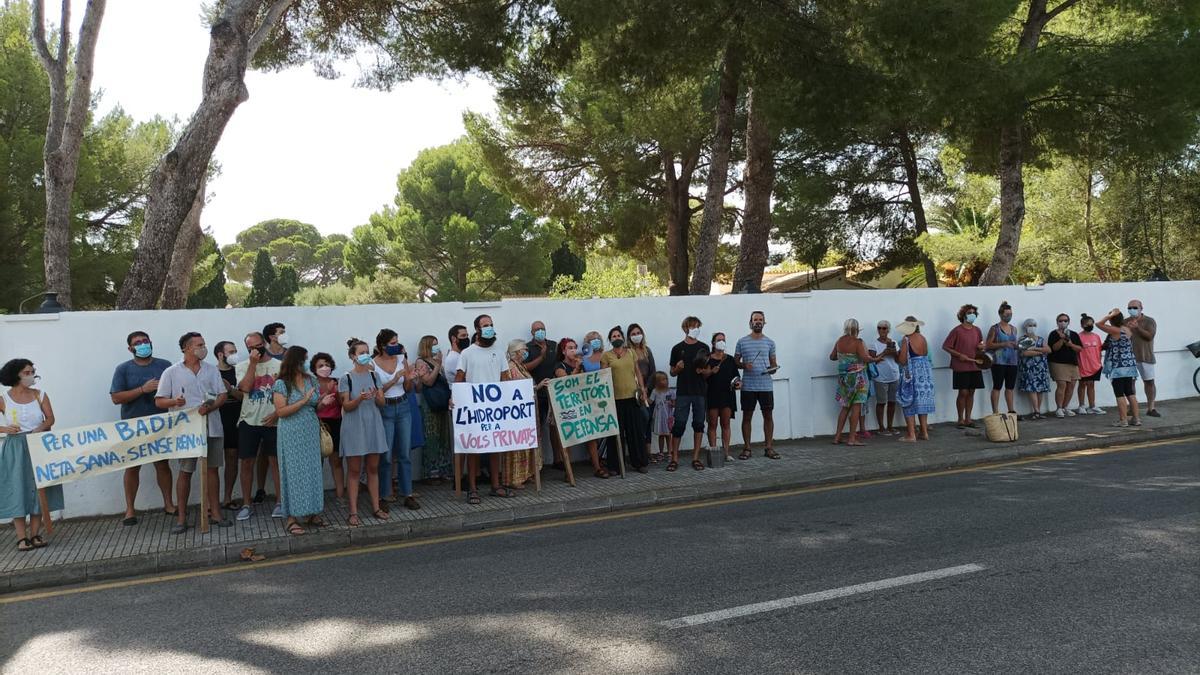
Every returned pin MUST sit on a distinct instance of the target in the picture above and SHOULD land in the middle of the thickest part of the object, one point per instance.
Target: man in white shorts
(1144, 329)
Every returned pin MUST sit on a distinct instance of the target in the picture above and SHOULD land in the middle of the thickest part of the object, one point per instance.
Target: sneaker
(1152, 413)
(1082, 411)
(1069, 412)
(1059, 413)
(1098, 411)
(244, 513)
(1121, 424)
(278, 512)
(178, 528)
(1135, 423)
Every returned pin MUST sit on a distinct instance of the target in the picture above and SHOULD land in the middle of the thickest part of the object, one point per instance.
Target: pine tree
(262, 284)
(286, 286)
(212, 295)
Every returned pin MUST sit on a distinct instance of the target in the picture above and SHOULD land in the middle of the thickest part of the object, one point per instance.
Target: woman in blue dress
(1034, 378)
(300, 472)
(1121, 367)
(23, 410)
(916, 395)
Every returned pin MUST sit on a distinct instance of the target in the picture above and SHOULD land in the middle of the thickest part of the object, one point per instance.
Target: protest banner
(65, 456)
(584, 409)
(494, 417)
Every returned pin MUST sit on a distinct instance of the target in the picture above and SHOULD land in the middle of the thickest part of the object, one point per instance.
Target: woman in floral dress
(915, 395)
(1033, 377)
(299, 442)
(852, 387)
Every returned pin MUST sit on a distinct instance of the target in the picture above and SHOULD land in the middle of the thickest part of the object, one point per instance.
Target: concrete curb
(212, 556)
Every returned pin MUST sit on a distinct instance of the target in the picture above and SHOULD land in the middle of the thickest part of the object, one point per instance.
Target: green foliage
(115, 159)
(210, 294)
(564, 262)
(381, 290)
(608, 277)
(318, 260)
(237, 294)
(454, 235)
(286, 286)
(263, 283)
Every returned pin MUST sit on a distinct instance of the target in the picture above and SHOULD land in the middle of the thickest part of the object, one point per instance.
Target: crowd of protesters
(271, 405)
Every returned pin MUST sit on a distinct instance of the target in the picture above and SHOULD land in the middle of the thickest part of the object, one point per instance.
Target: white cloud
(302, 147)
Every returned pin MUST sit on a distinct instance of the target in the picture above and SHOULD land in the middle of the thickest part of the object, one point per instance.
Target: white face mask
(720, 345)
(201, 353)
(282, 338)
(636, 339)
(234, 358)
(28, 381)
(1031, 330)
(694, 333)
(324, 371)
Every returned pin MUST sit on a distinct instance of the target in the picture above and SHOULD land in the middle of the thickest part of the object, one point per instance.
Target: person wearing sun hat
(915, 395)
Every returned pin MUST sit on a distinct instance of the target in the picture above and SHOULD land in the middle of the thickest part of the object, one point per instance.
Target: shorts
(1123, 386)
(696, 405)
(753, 399)
(216, 457)
(1004, 376)
(1146, 370)
(1094, 377)
(251, 438)
(968, 379)
(1064, 372)
(885, 392)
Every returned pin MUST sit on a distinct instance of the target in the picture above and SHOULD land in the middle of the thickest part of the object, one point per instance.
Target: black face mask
(462, 343)
(486, 342)
(1088, 328)
(756, 327)
(618, 343)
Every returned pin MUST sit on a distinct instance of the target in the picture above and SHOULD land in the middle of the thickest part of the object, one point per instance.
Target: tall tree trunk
(1089, 183)
(1012, 153)
(64, 131)
(759, 184)
(183, 260)
(912, 175)
(718, 169)
(234, 38)
(677, 195)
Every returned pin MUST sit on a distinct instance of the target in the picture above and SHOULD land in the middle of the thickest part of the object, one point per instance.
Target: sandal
(37, 541)
(473, 497)
(770, 452)
(380, 514)
(354, 521)
(296, 529)
(317, 521)
(24, 545)
(672, 465)
(248, 555)
(746, 454)
(601, 473)
(502, 492)
(698, 465)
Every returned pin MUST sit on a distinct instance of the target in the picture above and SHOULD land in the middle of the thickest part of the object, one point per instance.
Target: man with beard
(755, 355)
(483, 362)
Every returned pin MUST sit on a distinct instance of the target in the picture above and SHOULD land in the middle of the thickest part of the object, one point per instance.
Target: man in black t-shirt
(540, 364)
(1065, 346)
(687, 365)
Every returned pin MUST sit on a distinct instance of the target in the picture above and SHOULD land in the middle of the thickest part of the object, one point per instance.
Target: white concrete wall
(76, 352)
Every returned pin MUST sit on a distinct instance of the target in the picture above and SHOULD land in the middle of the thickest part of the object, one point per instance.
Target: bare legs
(965, 404)
(133, 479)
(723, 416)
(851, 414)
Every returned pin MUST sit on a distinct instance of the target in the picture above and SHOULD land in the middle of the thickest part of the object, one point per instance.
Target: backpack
(350, 383)
(437, 395)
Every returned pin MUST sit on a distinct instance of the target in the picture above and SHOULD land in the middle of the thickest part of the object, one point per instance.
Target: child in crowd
(663, 400)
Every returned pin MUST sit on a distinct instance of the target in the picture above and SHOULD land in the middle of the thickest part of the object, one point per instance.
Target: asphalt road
(1085, 565)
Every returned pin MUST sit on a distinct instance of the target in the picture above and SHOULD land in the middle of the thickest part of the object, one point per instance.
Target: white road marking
(820, 596)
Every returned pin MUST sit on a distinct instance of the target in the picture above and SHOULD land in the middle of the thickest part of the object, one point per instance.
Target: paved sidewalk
(101, 548)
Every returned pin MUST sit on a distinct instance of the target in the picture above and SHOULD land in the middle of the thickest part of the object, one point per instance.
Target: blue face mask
(524, 354)
(596, 344)
(393, 350)
(1134, 311)
(363, 359)
(539, 335)
(488, 332)
(144, 350)
(971, 318)
(435, 349)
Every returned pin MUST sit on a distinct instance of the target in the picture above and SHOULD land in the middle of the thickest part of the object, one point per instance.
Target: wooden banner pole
(203, 496)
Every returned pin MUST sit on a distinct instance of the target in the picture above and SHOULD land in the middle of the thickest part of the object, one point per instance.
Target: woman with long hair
(721, 397)
(570, 362)
(629, 390)
(392, 369)
(437, 459)
(520, 465)
(646, 366)
(299, 442)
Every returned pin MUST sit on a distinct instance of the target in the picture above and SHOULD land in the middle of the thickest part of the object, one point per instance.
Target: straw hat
(909, 325)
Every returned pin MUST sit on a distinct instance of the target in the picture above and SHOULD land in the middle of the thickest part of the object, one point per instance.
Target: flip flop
(698, 465)
(672, 466)
(248, 555)
(130, 521)
(354, 520)
(24, 545)
(296, 530)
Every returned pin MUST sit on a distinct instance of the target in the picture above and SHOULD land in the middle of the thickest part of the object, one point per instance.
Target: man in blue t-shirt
(755, 355)
(133, 387)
